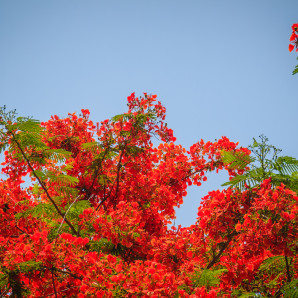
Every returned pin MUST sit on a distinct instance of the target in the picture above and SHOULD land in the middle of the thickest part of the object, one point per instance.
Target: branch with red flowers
(294, 43)
(42, 185)
(224, 245)
(117, 180)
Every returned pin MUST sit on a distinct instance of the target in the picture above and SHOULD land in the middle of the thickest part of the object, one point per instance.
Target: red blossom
(98, 223)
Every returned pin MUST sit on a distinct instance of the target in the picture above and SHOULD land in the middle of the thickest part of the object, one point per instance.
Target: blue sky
(221, 68)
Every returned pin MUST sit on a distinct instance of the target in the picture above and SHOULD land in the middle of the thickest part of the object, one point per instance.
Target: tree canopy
(86, 211)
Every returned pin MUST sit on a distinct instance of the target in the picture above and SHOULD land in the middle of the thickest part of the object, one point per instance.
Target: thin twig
(54, 285)
(59, 291)
(288, 269)
(3, 293)
(95, 174)
(117, 180)
(224, 246)
(69, 273)
(106, 197)
(22, 230)
(64, 217)
(119, 166)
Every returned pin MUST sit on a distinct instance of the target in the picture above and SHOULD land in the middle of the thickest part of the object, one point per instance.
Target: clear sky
(221, 68)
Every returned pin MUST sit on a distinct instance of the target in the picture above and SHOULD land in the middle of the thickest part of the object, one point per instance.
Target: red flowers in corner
(294, 38)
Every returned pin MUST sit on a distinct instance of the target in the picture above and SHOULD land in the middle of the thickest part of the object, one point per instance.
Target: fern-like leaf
(3, 280)
(124, 117)
(295, 69)
(236, 160)
(286, 165)
(250, 178)
(40, 211)
(208, 277)
(276, 263)
(290, 290)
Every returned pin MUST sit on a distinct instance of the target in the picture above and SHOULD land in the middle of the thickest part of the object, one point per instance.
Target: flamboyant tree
(294, 43)
(85, 211)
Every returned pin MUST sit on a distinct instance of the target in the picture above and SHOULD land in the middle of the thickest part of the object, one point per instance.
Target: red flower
(291, 47)
(293, 36)
(295, 27)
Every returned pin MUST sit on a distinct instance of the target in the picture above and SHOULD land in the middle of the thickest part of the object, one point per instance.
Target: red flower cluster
(294, 38)
(93, 219)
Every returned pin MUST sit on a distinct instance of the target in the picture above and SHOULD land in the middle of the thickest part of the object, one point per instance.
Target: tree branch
(117, 180)
(69, 273)
(60, 291)
(54, 285)
(95, 174)
(288, 269)
(222, 249)
(42, 184)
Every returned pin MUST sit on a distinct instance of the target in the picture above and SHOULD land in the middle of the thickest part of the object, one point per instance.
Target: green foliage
(92, 146)
(274, 268)
(295, 69)
(3, 280)
(264, 164)
(106, 246)
(208, 278)
(43, 211)
(6, 119)
(29, 266)
(57, 155)
(134, 150)
(290, 290)
(60, 179)
(9, 277)
(276, 263)
(98, 159)
(236, 160)
(122, 117)
(102, 245)
(77, 208)
(243, 294)
(27, 133)
(46, 212)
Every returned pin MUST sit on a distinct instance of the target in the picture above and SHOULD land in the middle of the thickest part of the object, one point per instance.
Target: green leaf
(295, 69)
(276, 262)
(265, 164)
(236, 160)
(251, 178)
(92, 146)
(66, 179)
(28, 124)
(208, 277)
(60, 179)
(290, 290)
(124, 117)
(3, 280)
(29, 266)
(58, 155)
(77, 208)
(286, 165)
(39, 211)
(248, 295)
